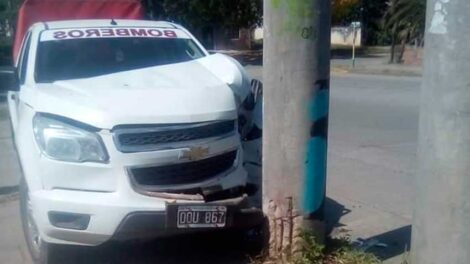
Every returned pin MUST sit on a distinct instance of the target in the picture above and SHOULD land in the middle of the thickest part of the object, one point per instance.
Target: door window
(23, 63)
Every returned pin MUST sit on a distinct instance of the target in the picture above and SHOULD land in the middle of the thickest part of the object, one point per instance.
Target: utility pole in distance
(441, 232)
(295, 127)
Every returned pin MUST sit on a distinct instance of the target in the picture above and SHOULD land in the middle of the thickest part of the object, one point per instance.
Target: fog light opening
(69, 220)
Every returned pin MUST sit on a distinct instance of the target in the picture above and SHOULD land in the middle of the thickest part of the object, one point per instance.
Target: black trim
(255, 133)
(320, 128)
(319, 214)
(322, 84)
(144, 138)
(177, 177)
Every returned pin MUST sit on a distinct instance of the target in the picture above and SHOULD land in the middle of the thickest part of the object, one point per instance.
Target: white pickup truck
(128, 129)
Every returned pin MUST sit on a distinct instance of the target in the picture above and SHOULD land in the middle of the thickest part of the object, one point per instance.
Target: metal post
(354, 45)
(296, 78)
(441, 232)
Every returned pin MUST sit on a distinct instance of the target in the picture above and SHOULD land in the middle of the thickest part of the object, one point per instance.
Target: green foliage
(406, 19)
(312, 251)
(372, 15)
(8, 13)
(352, 256)
(9, 9)
(202, 13)
(3, 7)
(336, 251)
(345, 11)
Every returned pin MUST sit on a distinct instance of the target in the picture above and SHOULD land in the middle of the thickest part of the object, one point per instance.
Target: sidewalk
(376, 63)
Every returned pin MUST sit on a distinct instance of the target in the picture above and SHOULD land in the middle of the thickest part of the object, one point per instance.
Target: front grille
(131, 139)
(184, 173)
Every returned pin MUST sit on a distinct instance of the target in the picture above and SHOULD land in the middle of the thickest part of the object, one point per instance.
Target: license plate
(189, 216)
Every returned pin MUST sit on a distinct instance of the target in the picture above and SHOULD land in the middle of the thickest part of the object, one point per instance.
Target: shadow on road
(398, 242)
(333, 213)
(202, 248)
(8, 190)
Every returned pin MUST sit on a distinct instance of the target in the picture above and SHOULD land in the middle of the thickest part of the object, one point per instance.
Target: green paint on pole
(299, 22)
(276, 3)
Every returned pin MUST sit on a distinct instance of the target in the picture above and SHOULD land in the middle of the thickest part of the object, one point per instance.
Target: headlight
(62, 141)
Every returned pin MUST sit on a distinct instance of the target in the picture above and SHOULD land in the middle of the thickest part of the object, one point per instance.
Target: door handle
(13, 97)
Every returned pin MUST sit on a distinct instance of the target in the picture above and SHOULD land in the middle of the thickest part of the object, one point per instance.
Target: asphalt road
(372, 157)
(372, 154)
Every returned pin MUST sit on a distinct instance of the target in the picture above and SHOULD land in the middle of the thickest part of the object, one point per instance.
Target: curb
(339, 70)
(9, 198)
(8, 194)
(389, 72)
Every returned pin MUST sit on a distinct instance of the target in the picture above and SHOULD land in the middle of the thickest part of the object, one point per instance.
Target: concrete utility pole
(296, 80)
(441, 230)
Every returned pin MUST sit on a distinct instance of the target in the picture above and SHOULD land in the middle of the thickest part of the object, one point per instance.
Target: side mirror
(9, 79)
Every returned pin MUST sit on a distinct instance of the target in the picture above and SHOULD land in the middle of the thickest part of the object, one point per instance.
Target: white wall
(345, 36)
(258, 34)
(339, 35)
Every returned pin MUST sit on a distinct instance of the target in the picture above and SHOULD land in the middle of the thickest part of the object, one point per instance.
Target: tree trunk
(402, 51)
(393, 44)
(392, 51)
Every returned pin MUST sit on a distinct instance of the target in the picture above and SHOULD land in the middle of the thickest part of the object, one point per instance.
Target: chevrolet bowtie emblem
(195, 153)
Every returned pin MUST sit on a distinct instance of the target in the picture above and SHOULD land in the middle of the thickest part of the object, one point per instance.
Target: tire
(256, 239)
(40, 251)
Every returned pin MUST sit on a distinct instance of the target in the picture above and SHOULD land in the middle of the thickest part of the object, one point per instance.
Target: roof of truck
(67, 24)
(33, 11)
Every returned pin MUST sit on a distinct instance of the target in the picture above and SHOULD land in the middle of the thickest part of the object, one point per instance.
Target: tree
(8, 12)
(405, 20)
(372, 18)
(345, 11)
(202, 13)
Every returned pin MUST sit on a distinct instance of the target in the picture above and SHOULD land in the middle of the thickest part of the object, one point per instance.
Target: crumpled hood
(178, 93)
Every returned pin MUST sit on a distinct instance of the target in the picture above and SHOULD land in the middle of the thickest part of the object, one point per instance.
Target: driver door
(13, 96)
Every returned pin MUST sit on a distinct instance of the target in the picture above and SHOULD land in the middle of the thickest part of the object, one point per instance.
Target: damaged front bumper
(148, 225)
(92, 218)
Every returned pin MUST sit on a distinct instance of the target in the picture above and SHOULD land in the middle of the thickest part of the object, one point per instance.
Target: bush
(335, 251)
(5, 54)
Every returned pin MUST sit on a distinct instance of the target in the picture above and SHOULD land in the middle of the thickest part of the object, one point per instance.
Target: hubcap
(33, 233)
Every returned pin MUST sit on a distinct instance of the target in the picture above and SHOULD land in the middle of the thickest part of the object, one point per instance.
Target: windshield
(88, 57)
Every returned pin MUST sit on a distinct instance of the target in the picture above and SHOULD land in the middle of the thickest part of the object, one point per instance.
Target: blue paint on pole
(315, 180)
(316, 156)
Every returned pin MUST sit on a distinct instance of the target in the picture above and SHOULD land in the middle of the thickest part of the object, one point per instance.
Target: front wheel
(41, 251)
